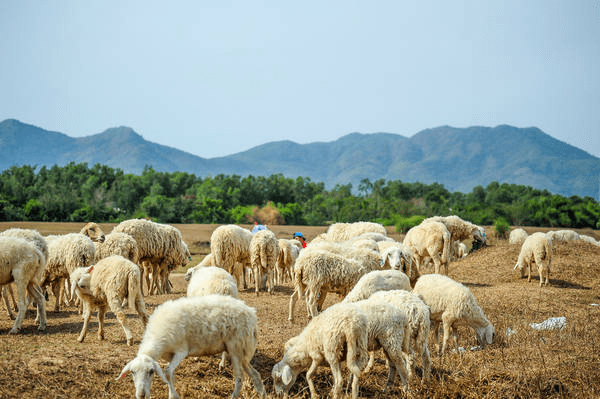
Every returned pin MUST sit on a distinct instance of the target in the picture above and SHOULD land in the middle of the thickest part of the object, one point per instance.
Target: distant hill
(460, 159)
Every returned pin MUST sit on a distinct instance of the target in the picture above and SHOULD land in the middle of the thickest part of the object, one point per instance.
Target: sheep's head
(93, 231)
(283, 378)
(391, 258)
(189, 272)
(142, 369)
(519, 265)
(485, 335)
(80, 280)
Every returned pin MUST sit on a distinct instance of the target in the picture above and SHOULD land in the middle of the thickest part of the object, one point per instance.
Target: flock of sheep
(388, 301)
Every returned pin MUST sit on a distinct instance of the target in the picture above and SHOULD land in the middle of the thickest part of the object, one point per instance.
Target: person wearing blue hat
(298, 236)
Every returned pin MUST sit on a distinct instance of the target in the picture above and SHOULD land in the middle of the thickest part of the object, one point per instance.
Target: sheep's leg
(170, 373)
(140, 308)
(292, 305)
(338, 378)
(7, 303)
(36, 292)
(238, 376)
(223, 361)
(87, 311)
(255, 377)
(115, 307)
(311, 303)
(309, 374)
(101, 313)
(257, 279)
(55, 287)
(397, 365)
(447, 326)
(371, 362)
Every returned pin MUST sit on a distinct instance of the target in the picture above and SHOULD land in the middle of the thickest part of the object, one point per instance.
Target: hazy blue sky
(218, 77)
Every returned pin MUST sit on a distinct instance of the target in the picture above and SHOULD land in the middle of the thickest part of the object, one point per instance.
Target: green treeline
(78, 193)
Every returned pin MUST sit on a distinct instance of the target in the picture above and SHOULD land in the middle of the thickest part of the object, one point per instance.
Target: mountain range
(458, 158)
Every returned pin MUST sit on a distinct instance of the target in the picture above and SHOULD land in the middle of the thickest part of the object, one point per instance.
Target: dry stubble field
(530, 363)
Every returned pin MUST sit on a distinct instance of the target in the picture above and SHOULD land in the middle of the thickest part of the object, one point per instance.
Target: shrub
(501, 227)
(404, 224)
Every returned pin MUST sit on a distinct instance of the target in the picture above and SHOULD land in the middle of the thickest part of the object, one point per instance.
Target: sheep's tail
(358, 355)
(446, 249)
(300, 286)
(133, 288)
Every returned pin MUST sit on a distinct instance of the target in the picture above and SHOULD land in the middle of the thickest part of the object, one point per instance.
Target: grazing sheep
(160, 246)
(429, 240)
(378, 280)
(22, 262)
(345, 231)
(517, 236)
(116, 243)
(106, 285)
(388, 329)
(288, 253)
(460, 230)
(230, 245)
(397, 256)
(40, 242)
(450, 304)
(340, 329)
(94, 231)
(66, 253)
(562, 236)
(377, 237)
(319, 271)
(589, 239)
(264, 251)
(196, 326)
(537, 249)
(206, 280)
(419, 321)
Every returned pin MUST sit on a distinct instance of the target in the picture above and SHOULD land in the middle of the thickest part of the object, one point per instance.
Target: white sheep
(196, 326)
(397, 256)
(230, 246)
(388, 329)
(562, 236)
(66, 252)
(160, 246)
(460, 230)
(206, 280)
(319, 271)
(378, 280)
(116, 243)
(94, 231)
(264, 252)
(450, 304)
(517, 236)
(431, 239)
(345, 231)
(589, 239)
(537, 248)
(22, 262)
(106, 285)
(340, 329)
(419, 320)
(288, 253)
(40, 242)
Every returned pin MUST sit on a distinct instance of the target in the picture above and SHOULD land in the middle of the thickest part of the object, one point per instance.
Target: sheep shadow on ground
(477, 285)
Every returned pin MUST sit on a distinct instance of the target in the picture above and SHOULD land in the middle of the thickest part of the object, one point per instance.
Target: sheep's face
(283, 378)
(486, 335)
(93, 231)
(83, 283)
(142, 370)
(392, 259)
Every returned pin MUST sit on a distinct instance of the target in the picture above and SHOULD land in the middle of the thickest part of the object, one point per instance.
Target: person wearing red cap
(298, 236)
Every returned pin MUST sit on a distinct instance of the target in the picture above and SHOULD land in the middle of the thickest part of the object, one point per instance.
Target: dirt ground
(529, 363)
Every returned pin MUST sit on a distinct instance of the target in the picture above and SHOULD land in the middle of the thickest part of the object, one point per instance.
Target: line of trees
(78, 193)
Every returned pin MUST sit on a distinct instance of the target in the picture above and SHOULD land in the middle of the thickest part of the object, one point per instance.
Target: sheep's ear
(123, 372)
(489, 334)
(516, 265)
(89, 270)
(286, 375)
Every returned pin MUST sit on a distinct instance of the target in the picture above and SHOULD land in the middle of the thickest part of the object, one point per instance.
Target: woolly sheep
(197, 326)
(378, 280)
(66, 253)
(345, 231)
(206, 280)
(419, 320)
(517, 236)
(460, 230)
(341, 326)
(318, 271)
(450, 304)
(106, 285)
(159, 245)
(116, 243)
(459, 250)
(537, 248)
(288, 253)
(562, 236)
(94, 231)
(264, 252)
(230, 245)
(22, 262)
(40, 242)
(397, 256)
(429, 240)
(589, 239)
(377, 237)
(388, 329)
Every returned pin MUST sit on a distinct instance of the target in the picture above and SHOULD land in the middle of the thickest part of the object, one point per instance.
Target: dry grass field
(529, 364)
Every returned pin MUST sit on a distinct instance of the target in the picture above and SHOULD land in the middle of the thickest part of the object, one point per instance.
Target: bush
(502, 228)
(405, 224)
